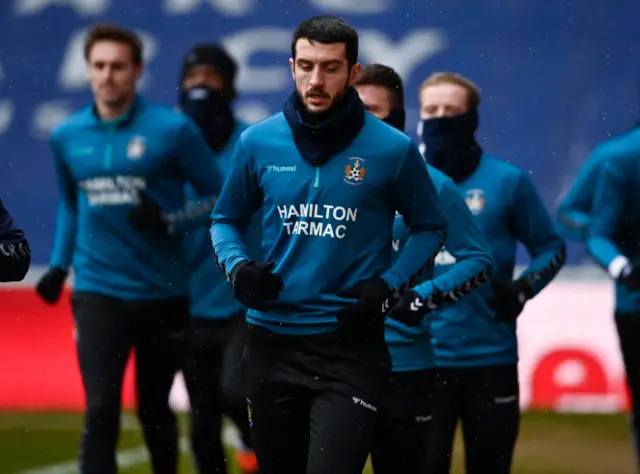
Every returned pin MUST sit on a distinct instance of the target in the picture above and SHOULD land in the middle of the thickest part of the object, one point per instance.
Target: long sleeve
(467, 244)
(67, 215)
(239, 200)
(414, 196)
(575, 209)
(15, 255)
(608, 206)
(535, 229)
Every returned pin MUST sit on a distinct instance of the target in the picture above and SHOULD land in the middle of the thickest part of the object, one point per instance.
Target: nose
(316, 79)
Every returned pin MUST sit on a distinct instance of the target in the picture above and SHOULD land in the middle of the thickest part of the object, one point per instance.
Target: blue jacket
(15, 255)
(101, 167)
(574, 211)
(508, 209)
(467, 258)
(615, 205)
(209, 293)
(323, 228)
(590, 199)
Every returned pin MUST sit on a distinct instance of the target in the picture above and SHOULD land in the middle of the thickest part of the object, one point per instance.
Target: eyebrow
(330, 61)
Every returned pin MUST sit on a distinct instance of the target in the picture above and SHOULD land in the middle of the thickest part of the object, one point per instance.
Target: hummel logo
(361, 402)
(416, 305)
(280, 169)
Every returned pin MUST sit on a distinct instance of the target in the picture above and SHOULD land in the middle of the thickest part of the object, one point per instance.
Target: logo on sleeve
(475, 200)
(354, 171)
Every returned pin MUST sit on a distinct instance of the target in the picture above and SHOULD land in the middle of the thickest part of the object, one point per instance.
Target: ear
(353, 74)
(139, 71)
(293, 67)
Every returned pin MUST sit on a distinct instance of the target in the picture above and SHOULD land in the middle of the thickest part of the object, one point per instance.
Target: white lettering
(224, 7)
(357, 7)
(81, 7)
(73, 70)
(295, 223)
(243, 44)
(318, 229)
(396, 245)
(110, 191)
(325, 211)
(405, 55)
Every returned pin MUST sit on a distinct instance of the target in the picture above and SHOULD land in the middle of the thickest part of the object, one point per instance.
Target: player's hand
(50, 285)
(374, 300)
(630, 276)
(254, 284)
(509, 298)
(146, 216)
(411, 308)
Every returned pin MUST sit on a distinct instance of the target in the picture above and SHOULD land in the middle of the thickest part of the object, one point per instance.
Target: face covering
(211, 110)
(449, 144)
(318, 137)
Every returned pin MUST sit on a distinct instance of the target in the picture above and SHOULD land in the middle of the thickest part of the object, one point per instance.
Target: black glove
(374, 302)
(254, 284)
(146, 216)
(630, 276)
(509, 298)
(50, 285)
(411, 308)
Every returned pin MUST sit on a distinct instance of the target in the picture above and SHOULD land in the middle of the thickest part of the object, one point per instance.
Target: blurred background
(557, 78)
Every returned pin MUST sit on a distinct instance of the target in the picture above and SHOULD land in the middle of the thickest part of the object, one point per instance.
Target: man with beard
(475, 344)
(329, 178)
(462, 266)
(207, 90)
(118, 162)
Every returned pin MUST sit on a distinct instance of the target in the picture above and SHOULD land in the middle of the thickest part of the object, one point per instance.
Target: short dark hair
(117, 34)
(327, 29)
(383, 76)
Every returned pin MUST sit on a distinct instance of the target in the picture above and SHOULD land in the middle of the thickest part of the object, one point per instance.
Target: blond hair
(473, 91)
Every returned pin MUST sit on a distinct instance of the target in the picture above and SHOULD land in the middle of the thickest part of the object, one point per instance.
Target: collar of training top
(318, 142)
(126, 118)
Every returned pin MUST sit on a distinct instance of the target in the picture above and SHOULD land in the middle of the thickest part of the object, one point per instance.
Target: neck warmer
(318, 137)
(449, 144)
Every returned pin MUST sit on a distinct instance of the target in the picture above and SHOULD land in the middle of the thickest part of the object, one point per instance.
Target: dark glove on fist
(146, 216)
(411, 308)
(254, 284)
(509, 298)
(374, 300)
(50, 285)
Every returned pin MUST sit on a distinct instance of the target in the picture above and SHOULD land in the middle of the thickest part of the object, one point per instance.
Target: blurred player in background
(601, 209)
(206, 94)
(331, 178)
(475, 340)
(404, 413)
(15, 254)
(114, 161)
